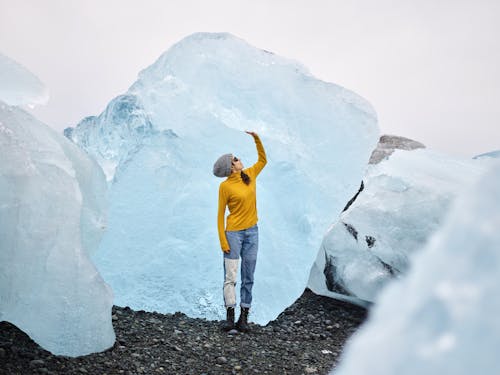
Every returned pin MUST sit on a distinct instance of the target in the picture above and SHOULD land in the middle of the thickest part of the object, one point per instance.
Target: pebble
(2, 352)
(310, 370)
(37, 363)
(221, 360)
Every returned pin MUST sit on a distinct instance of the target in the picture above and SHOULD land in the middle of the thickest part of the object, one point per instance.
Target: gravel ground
(307, 338)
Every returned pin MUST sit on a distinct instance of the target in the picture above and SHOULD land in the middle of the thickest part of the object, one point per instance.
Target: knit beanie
(222, 167)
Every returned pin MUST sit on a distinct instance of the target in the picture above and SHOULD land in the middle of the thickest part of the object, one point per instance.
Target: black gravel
(307, 338)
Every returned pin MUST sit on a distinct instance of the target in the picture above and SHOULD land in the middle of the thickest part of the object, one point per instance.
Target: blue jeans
(244, 244)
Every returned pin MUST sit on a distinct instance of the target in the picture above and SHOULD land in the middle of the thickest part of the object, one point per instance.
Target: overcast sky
(430, 68)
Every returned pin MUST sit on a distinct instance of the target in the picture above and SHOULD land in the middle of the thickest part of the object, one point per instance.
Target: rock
(37, 363)
(221, 360)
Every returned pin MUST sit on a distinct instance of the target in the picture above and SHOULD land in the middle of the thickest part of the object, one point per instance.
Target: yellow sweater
(239, 198)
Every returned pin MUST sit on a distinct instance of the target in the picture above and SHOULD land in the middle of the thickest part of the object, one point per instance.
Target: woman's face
(236, 164)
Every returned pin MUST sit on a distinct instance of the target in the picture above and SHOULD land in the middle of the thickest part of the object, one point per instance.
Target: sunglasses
(235, 159)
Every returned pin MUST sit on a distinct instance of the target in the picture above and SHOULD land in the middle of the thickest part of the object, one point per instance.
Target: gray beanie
(222, 167)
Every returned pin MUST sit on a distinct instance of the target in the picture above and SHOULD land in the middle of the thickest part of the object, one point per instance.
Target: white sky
(429, 67)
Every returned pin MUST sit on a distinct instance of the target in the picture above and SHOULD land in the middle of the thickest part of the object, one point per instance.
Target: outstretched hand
(253, 134)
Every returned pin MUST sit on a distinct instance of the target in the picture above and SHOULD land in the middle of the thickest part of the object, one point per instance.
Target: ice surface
(18, 86)
(492, 154)
(158, 143)
(118, 131)
(404, 201)
(52, 202)
(442, 318)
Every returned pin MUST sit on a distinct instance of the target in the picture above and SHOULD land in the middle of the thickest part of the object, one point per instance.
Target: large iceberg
(158, 142)
(404, 200)
(52, 215)
(442, 318)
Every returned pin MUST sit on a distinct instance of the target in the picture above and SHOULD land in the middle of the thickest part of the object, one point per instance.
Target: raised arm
(262, 160)
(220, 220)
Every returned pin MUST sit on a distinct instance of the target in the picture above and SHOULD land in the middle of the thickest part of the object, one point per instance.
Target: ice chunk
(118, 131)
(161, 251)
(492, 154)
(404, 201)
(442, 318)
(52, 202)
(18, 86)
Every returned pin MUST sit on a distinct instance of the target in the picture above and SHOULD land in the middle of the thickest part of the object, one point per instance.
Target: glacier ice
(442, 318)
(19, 86)
(158, 142)
(404, 200)
(491, 154)
(52, 215)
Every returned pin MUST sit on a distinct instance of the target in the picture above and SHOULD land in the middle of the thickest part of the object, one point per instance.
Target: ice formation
(491, 154)
(158, 143)
(18, 86)
(52, 214)
(442, 318)
(404, 201)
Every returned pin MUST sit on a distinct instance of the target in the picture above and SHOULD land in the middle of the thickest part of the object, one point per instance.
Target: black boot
(228, 324)
(242, 324)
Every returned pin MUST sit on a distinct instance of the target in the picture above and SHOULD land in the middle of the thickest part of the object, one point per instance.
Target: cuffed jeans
(244, 244)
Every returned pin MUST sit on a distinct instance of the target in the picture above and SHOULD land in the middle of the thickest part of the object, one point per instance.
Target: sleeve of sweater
(261, 161)
(220, 218)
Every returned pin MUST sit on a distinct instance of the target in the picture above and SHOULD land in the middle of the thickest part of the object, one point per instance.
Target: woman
(240, 237)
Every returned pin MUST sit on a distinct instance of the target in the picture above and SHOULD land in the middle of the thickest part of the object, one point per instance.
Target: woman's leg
(249, 249)
(231, 263)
